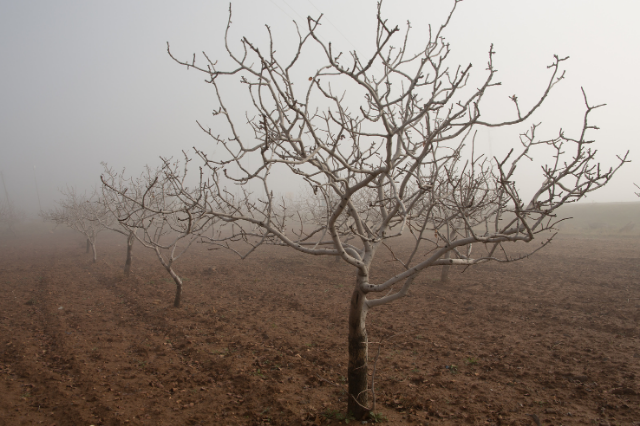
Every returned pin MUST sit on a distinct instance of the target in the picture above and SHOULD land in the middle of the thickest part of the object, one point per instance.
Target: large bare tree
(386, 145)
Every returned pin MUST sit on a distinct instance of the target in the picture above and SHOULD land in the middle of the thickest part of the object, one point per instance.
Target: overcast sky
(90, 81)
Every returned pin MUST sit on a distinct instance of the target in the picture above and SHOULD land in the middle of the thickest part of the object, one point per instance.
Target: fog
(91, 82)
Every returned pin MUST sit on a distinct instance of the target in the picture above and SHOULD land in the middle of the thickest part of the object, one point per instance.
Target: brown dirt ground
(264, 341)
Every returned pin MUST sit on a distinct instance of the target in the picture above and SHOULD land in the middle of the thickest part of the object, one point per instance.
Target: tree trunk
(445, 269)
(358, 354)
(127, 265)
(444, 277)
(178, 281)
(176, 278)
(88, 245)
(93, 248)
(178, 298)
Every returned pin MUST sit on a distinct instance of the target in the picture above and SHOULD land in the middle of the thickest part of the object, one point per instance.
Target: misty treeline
(9, 218)
(10, 215)
(384, 145)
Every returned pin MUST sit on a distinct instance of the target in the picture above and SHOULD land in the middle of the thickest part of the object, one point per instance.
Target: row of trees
(391, 154)
(143, 209)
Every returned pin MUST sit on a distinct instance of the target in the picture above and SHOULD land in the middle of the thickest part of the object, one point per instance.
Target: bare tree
(389, 154)
(80, 213)
(117, 205)
(637, 193)
(150, 211)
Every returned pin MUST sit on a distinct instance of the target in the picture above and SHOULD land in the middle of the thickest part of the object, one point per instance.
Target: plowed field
(552, 339)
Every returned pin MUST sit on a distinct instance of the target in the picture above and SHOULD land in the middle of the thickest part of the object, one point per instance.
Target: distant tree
(118, 205)
(385, 144)
(85, 214)
(637, 193)
(9, 215)
(149, 210)
(9, 218)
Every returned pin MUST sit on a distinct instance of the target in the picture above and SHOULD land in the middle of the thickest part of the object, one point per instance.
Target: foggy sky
(87, 82)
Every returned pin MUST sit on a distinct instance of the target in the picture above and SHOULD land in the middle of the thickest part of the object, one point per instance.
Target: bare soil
(552, 339)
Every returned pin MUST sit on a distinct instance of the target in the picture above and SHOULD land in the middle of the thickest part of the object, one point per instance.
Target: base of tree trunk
(444, 277)
(127, 265)
(358, 369)
(178, 298)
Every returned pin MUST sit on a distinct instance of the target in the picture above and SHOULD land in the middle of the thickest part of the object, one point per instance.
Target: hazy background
(85, 82)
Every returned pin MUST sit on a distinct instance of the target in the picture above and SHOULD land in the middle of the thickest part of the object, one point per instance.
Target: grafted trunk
(127, 265)
(444, 277)
(358, 354)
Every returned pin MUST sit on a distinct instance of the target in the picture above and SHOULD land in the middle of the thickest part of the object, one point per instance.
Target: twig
(328, 381)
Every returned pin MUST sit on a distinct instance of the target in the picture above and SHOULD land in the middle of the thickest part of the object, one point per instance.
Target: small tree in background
(390, 154)
(9, 215)
(118, 205)
(149, 210)
(86, 215)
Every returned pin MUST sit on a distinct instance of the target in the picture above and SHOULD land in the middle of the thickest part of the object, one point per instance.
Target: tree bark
(127, 265)
(93, 248)
(178, 281)
(176, 278)
(358, 354)
(88, 245)
(178, 298)
(444, 277)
